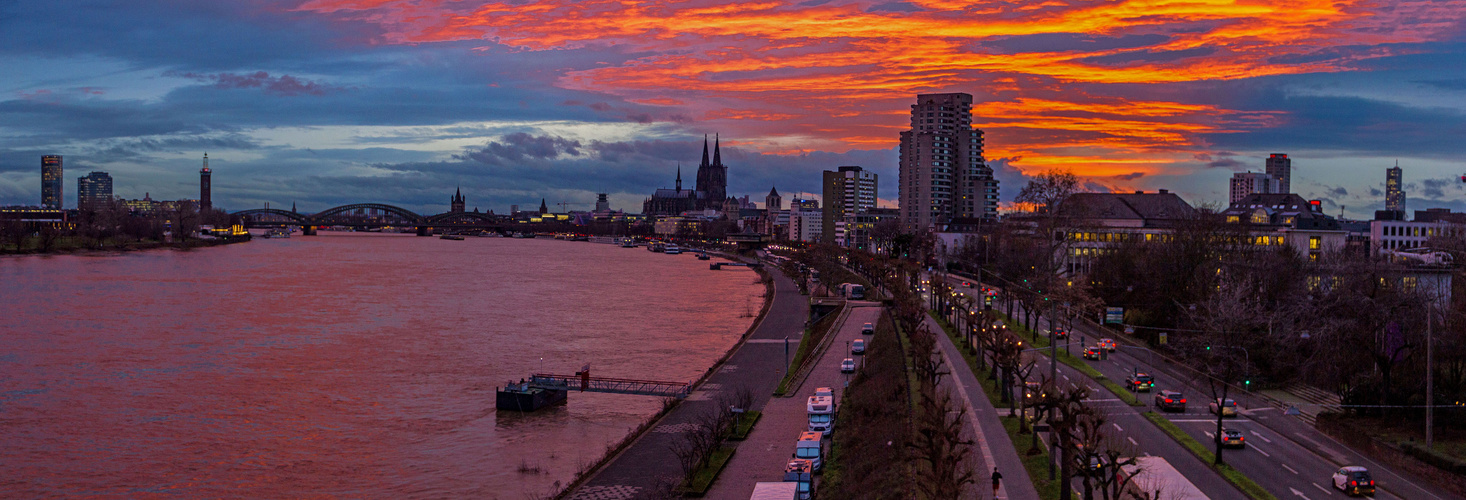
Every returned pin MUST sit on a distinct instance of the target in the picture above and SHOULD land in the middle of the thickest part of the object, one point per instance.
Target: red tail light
(1371, 482)
(1183, 401)
(1168, 401)
(1240, 438)
(1353, 483)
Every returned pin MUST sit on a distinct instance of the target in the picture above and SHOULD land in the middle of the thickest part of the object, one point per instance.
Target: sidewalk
(647, 465)
(994, 446)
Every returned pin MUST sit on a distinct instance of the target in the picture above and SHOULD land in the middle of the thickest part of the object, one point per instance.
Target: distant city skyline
(327, 102)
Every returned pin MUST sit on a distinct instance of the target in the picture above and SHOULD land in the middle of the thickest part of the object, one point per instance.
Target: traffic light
(1208, 348)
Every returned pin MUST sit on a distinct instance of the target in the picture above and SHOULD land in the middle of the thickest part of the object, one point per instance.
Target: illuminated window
(1314, 243)
(1233, 219)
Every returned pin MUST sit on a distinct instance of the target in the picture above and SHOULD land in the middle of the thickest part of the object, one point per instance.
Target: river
(349, 365)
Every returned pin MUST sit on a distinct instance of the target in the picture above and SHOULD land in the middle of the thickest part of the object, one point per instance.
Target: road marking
(1259, 450)
(1296, 492)
(1290, 469)
(1117, 427)
(1260, 436)
(1132, 441)
(1210, 435)
(1147, 454)
(1321, 488)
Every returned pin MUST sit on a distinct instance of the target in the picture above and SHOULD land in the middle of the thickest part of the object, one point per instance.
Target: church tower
(457, 205)
(712, 176)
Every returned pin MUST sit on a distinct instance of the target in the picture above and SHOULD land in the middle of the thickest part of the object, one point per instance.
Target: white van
(775, 491)
(824, 391)
(808, 448)
(821, 411)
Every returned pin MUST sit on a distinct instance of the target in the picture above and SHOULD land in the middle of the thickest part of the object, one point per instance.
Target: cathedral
(710, 193)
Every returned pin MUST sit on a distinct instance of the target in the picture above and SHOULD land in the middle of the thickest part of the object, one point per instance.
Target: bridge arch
(411, 216)
(272, 211)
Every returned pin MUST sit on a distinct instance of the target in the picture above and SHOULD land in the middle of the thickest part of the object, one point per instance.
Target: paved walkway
(768, 448)
(994, 448)
(757, 364)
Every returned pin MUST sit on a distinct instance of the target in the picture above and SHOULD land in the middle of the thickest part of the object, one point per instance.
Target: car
(1232, 438)
(1107, 344)
(847, 366)
(1354, 480)
(968, 284)
(857, 347)
(1170, 401)
(867, 329)
(1138, 382)
(1227, 408)
(1061, 334)
(1092, 352)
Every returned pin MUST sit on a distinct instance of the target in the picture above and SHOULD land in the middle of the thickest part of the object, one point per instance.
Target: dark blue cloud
(1148, 56)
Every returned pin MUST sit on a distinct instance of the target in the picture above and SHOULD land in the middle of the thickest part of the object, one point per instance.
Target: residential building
(51, 180)
(1394, 196)
(1245, 183)
(1281, 168)
(1292, 220)
(943, 174)
(806, 220)
(848, 191)
(93, 190)
(854, 230)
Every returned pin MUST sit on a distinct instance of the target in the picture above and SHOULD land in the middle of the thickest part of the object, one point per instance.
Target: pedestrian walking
(997, 480)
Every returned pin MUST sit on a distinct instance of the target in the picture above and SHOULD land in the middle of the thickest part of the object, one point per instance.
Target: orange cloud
(843, 74)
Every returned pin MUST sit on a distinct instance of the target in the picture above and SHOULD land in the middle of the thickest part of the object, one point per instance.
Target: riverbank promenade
(648, 466)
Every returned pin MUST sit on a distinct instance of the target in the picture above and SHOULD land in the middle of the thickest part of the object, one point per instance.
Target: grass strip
(1242, 482)
(702, 480)
(740, 432)
(811, 338)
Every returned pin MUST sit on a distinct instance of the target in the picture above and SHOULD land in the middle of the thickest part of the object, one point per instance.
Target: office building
(1281, 168)
(943, 174)
(1245, 183)
(847, 191)
(806, 220)
(206, 201)
(93, 191)
(51, 181)
(1394, 196)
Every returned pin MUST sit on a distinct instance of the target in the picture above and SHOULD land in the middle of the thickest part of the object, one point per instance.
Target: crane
(565, 205)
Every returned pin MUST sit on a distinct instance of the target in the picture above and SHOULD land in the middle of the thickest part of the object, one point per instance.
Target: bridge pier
(424, 231)
(307, 230)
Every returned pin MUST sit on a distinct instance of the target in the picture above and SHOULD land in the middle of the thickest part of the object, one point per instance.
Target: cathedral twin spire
(717, 152)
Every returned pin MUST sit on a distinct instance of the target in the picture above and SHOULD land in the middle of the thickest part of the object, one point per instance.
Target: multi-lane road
(1282, 454)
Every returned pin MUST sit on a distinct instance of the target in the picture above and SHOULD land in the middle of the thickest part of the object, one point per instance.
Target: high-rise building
(1245, 183)
(1394, 196)
(206, 200)
(603, 202)
(806, 220)
(848, 191)
(93, 190)
(943, 174)
(51, 181)
(1281, 168)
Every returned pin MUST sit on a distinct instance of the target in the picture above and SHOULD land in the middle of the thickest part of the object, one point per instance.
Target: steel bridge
(393, 216)
(582, 381)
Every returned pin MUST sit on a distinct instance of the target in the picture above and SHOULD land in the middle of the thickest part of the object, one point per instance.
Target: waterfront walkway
(648, 466)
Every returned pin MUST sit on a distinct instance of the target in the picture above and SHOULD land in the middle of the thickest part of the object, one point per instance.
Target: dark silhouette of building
(458, 204)
(1281, 168)
(93, 190)
(206, 200)
(51, 181)
(710, 193)
(543, 209)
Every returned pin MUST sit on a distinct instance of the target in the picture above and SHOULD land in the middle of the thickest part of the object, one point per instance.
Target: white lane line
(1259, 450)
(1262, 437)
(1117, 427)
(1321, 488)
(1132, 441)
(1210, 435)
(1290, 469)
(1296, 492)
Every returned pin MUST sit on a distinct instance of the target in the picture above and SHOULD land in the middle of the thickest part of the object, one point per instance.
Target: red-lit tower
(205, 203)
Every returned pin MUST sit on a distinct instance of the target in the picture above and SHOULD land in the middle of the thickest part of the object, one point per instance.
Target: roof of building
(1145, 206)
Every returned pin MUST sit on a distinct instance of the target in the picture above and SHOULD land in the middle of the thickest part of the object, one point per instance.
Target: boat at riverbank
(277, 232)
(453, 237)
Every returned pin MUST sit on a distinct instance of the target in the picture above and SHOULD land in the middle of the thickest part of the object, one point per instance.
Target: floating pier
(542, 389)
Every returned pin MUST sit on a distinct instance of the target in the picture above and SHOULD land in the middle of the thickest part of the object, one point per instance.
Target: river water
(346, 365)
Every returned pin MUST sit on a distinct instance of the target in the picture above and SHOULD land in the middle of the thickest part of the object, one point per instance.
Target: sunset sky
(327, 102)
